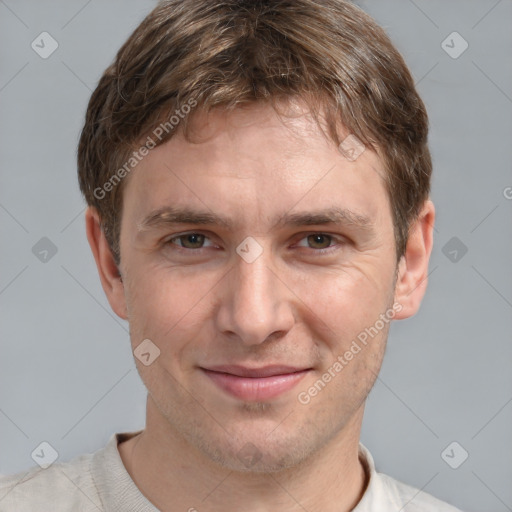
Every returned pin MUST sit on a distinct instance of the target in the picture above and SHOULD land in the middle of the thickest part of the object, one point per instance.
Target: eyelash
(327, 250)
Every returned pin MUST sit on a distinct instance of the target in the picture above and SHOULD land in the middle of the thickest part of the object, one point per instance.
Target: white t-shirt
(99, 482)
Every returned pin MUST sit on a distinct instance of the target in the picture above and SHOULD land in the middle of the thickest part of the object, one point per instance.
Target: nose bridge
(253, 288)
(255, 304)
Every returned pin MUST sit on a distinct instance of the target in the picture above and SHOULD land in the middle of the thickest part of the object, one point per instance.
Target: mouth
(255, 384)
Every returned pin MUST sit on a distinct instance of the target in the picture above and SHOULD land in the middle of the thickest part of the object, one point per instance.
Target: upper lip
(263, 371)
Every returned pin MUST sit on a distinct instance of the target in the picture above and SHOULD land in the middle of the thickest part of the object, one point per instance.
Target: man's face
(226, 315)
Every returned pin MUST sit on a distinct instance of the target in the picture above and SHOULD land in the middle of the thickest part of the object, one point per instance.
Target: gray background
(67, 375)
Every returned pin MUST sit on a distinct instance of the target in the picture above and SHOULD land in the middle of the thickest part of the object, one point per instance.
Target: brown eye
(321, 244)
(190, 240)
(319, 241)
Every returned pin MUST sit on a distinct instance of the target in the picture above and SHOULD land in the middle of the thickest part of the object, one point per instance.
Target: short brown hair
(224, 53)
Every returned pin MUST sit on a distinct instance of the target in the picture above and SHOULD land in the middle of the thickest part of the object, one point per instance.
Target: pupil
(194, 239)
(318, 239)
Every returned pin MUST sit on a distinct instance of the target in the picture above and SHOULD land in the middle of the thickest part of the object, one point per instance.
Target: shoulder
(410, 498)
(385, 494)
(61, 487)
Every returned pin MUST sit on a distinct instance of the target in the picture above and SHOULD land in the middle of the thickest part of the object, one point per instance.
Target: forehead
(252, 161)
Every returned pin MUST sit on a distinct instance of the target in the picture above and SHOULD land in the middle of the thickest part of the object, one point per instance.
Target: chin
(254, 450)
(253, 459)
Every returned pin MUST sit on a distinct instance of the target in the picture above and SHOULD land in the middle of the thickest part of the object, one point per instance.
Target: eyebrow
(169, 216)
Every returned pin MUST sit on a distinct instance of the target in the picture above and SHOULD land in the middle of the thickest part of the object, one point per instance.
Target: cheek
(348, 300)
(166, 305)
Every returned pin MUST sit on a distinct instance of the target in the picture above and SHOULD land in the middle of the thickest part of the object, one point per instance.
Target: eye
(188, 240)
(320, 242)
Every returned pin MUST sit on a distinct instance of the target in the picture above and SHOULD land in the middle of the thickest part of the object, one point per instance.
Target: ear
(411, 281)
(107, 268)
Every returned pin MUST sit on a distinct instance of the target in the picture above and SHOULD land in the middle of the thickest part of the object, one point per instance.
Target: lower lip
(255, 389)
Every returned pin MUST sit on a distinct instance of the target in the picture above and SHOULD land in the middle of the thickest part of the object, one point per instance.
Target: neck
(175, 476)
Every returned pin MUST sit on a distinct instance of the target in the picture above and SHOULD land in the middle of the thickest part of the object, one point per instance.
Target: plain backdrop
(67, 374)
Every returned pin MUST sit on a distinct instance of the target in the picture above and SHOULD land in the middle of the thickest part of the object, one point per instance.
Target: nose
(255, 303)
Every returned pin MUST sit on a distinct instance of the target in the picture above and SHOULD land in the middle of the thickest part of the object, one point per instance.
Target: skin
(205, 305)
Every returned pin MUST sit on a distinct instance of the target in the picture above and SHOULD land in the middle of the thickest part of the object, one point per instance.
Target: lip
(255, 384)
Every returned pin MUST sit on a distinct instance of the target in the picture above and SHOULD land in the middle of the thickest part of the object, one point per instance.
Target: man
(258, 176)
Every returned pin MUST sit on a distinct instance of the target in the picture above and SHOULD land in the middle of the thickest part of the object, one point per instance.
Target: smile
(256, 384)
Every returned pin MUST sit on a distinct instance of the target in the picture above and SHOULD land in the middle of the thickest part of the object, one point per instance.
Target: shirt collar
(118, 491)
